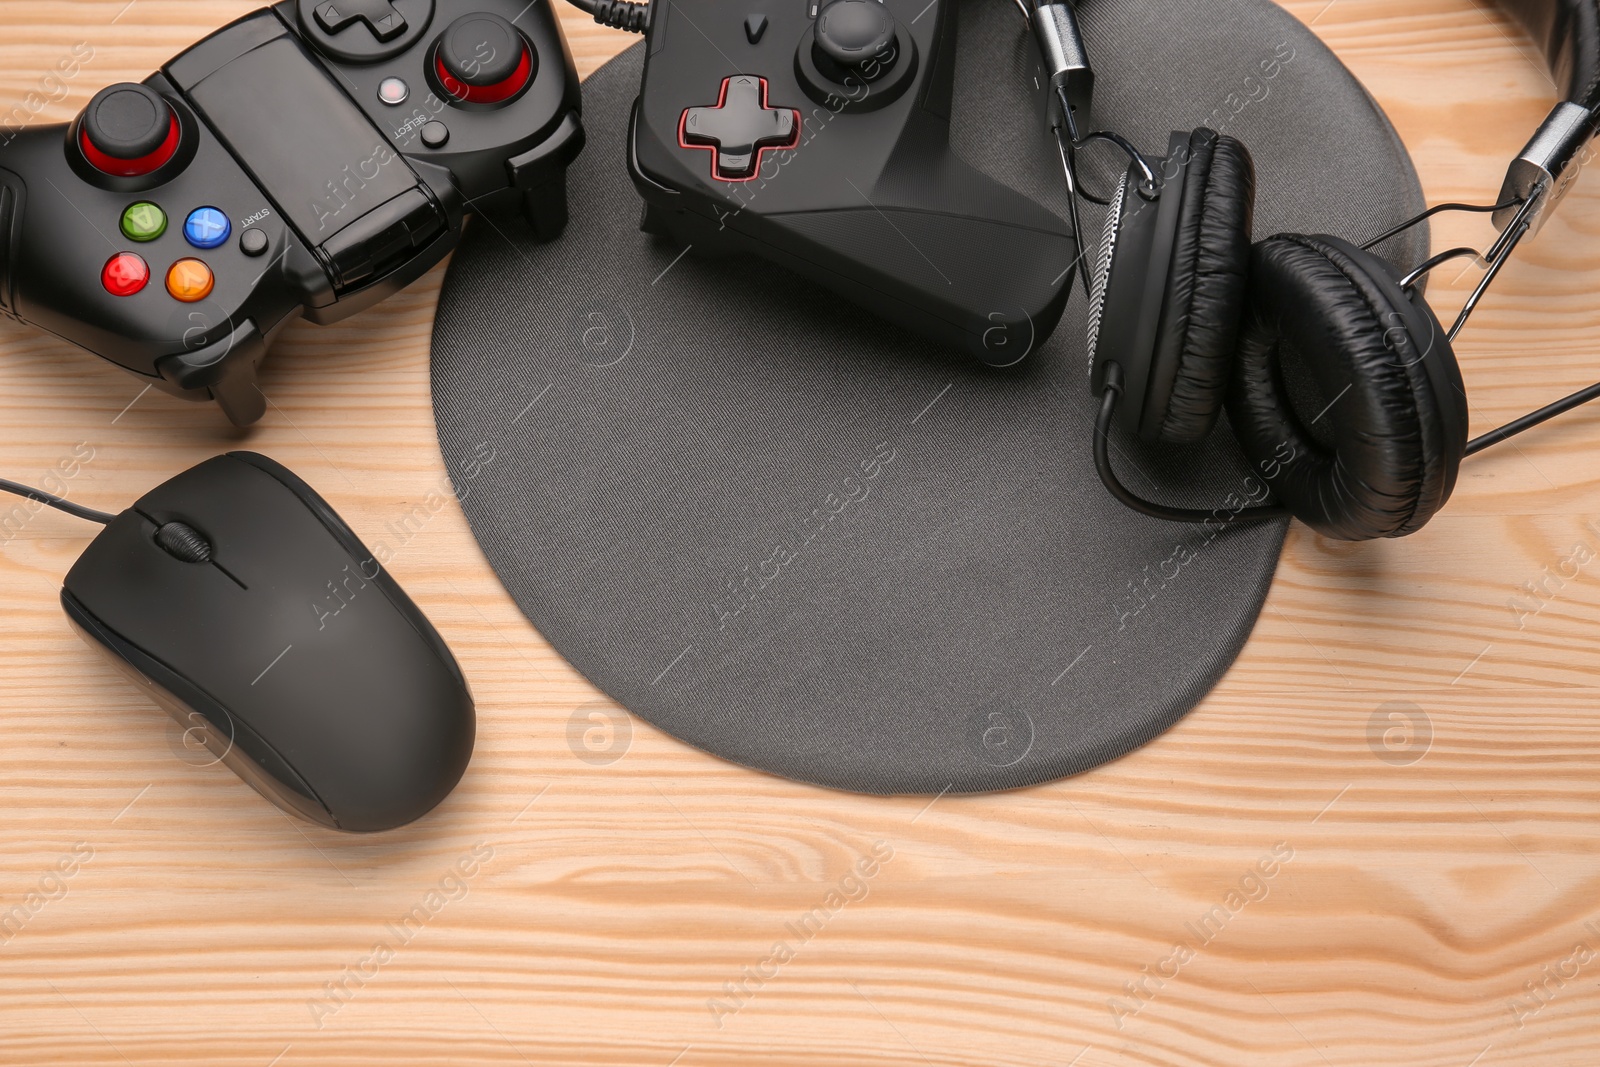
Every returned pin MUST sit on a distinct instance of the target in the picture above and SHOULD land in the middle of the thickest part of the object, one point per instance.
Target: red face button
(125, 274)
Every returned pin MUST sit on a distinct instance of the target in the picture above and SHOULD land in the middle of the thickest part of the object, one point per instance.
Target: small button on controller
(393, 91)
(254, 242)
(143, 221)
(125, 274)
(206, 227)
(435, 134)
(190, 280)
(739, 128)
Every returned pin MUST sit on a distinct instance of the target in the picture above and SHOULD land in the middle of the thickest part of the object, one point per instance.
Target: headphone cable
(1533, 418)
(1102, 463)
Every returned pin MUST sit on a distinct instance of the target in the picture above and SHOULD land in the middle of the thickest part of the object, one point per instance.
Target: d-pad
(739, 128)
(381, 17)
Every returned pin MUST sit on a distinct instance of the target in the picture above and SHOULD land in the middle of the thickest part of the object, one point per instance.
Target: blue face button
(206, 227)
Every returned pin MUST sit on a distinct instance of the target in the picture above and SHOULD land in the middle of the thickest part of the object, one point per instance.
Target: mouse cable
(60, 503)
(618, 14)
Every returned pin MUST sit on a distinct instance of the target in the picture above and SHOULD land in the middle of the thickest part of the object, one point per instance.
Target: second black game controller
(818, 137)
(311, 158)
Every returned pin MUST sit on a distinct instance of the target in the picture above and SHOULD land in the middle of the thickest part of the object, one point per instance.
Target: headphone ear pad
(1206, 286)
(1345, 395)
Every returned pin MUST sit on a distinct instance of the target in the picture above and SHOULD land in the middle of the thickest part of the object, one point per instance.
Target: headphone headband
(1568, 32)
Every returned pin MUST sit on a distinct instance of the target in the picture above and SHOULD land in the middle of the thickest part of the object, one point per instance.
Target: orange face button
(190, 280)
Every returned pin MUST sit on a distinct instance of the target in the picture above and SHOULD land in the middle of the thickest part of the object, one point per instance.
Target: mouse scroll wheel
(182, 541)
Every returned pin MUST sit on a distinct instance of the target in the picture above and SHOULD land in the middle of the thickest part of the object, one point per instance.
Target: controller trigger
(541, 175)
(226, 371)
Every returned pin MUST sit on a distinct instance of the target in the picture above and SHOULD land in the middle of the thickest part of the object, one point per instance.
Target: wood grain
(618, 902)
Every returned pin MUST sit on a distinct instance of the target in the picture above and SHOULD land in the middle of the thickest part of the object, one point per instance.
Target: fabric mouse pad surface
(801, 539)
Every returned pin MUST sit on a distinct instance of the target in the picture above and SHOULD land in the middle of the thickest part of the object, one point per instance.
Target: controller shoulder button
(547, 160)
(225, 369)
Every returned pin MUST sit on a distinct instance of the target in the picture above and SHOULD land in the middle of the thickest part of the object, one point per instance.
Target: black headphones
(1339, 381)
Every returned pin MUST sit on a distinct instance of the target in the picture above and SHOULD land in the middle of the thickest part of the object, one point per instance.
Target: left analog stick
(482, 59)
(128, 131)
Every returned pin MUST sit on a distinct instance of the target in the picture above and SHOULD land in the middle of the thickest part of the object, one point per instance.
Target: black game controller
(313, 157)
(818, 138)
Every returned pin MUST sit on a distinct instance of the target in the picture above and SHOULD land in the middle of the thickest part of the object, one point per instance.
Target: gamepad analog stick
(128, 131)
(482, 59)
(855, 38)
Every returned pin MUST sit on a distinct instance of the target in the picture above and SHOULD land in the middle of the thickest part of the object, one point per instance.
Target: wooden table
(1408, 745)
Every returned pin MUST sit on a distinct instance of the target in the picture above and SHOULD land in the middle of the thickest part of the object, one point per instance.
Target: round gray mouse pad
(801, 539)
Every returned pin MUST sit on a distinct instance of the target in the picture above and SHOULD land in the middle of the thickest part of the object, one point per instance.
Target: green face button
(144, 221)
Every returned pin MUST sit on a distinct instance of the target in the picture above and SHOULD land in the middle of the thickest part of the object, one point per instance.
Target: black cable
(618, 14)
(60, 503)
(1102, 463)
(1533, 418)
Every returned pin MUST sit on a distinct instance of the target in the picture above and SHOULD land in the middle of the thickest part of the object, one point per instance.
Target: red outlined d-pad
(739, 128)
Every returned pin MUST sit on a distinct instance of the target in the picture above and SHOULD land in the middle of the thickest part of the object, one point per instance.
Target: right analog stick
(128, 130)
(483, 59)
(854, 39)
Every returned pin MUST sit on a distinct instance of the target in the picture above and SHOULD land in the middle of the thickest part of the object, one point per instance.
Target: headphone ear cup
(1169, 283)
(1346, 394)
(1205, 288)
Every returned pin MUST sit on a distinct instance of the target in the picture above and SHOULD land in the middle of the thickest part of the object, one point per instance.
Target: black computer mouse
(235, 593)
